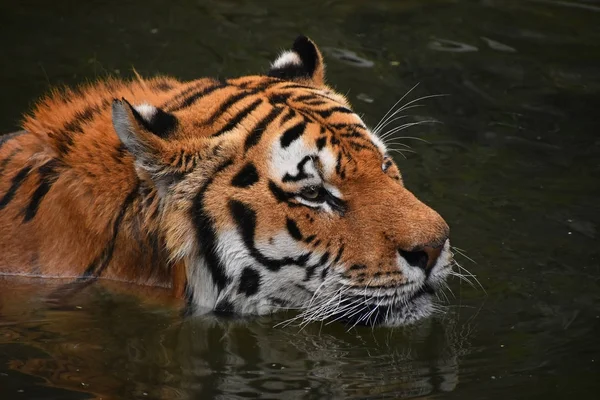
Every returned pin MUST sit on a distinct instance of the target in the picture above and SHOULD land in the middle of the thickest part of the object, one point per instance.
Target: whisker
(398, 151)
(397, 118)
(469, 274)
(462, 278)
(405, 126)
(405, 107)
(463, 253)
(399, 144)
(383, 119)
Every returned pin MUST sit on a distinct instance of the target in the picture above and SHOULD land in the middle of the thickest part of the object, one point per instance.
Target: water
(513, 168)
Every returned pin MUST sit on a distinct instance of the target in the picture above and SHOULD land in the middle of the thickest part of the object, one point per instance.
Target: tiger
(241, 196)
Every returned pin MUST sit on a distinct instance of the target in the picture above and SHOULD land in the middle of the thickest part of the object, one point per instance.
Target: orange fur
(74, 202)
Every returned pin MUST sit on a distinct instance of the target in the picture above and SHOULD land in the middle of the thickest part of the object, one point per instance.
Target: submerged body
(246, 195)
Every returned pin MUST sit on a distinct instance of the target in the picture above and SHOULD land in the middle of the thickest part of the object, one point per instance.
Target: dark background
(514, 168)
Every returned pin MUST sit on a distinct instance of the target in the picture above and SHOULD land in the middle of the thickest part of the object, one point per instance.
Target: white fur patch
(285, 160)
(201, 284)
(328, 162)
(286, 58)
(378, 142)
(442, 267)
(146, 110)
(333, 190)
(282, 245)
(235, 256)
(412, 274)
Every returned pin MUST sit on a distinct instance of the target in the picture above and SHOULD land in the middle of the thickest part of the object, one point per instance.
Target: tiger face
(276, 195)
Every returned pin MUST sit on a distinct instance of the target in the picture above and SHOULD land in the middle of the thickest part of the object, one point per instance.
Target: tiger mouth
(389, 310)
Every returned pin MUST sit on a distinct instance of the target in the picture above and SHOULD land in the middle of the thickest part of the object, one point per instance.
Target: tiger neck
(133, 246)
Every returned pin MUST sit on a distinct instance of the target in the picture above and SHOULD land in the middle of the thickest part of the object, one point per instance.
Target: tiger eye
(311, 192)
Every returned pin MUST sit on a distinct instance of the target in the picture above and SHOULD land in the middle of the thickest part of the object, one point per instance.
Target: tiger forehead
(279, 91)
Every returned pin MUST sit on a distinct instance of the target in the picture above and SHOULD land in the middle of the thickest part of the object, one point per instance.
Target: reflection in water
(107, 343)
(348, 57)
(451, 46)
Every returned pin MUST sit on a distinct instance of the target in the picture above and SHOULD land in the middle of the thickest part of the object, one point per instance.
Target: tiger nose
(425, 256)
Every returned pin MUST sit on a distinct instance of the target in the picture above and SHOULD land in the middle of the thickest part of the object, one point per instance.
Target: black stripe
(245, 219)
(293, 229)
(246, 177)
(249, 282)
(63, 141)
(100, 263)
(17, 181)
(161, 123)
(315, 102)
(291, 114)
(236, 98)
(338, 257)
(206, 233)
(310, 239)
(9, 136)
(321, 142)
(357, 146)
(190, 100)
(347, 126)
(224, 306)
(48, 175)
(338, 163)
(81, 117)
(185, 92)
(292, 134)
(227, 104)
(301, 174)
(254, 137)
(327, 113)
(357, 267)
(8, 159)
(297, 86)
(305, 97)
(279, 98)
(194, 87)
(310, 271)
(281, 195)
(85, 116)
(233, 122)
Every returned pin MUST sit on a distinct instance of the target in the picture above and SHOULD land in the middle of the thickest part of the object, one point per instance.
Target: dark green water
(514, 168)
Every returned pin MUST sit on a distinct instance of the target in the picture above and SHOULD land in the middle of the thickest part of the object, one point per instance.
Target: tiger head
(276, 195)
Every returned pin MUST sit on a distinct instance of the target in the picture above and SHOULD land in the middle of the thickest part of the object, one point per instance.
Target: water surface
(513, 166)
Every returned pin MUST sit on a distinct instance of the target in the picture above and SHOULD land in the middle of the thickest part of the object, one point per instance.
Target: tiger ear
(142, 130)
(303, 62)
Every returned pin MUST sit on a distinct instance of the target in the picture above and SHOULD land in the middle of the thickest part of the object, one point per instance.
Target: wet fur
(188, 193)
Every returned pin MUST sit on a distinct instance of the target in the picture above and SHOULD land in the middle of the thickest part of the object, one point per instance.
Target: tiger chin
(247, 196)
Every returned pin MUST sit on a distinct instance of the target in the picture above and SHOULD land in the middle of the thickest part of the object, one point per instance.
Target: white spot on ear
(286, 58)
(146, 110)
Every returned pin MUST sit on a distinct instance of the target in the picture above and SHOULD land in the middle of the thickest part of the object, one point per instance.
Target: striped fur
(243, 195)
